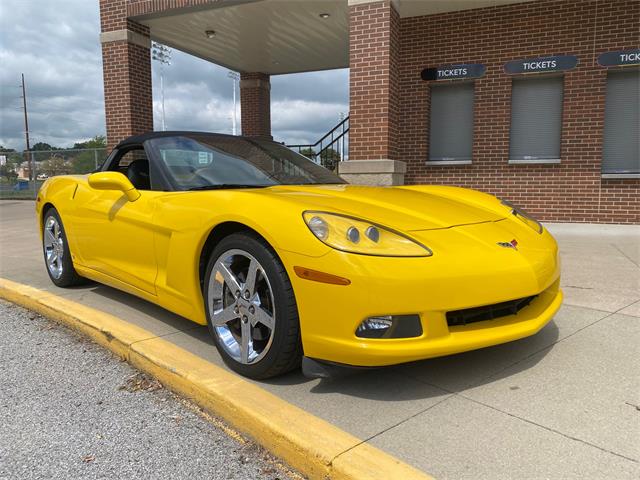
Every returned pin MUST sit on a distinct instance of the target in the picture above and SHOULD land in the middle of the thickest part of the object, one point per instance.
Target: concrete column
(255, 102)
(126, 63)
(374, 51)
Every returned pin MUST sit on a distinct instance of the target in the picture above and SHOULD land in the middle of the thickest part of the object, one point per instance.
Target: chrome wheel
(53, 247)
(241, 306)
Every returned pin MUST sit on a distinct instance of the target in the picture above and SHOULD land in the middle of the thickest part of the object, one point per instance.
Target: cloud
(56, 45)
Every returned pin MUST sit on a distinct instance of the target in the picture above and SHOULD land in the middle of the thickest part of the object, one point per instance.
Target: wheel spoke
(260, 316)
(49, 238)
(250, 283)
(242, 311)
(53, 241)
(223, 316)
(246, 342)
(229, 278)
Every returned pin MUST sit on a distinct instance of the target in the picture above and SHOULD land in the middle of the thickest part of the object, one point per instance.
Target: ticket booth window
(621, 143)
(536, 119)
(451, 123)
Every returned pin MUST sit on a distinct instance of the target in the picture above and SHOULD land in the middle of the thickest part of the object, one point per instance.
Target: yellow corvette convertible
(287, 264)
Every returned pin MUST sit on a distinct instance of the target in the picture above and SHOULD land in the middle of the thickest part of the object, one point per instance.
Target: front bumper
(429, 287)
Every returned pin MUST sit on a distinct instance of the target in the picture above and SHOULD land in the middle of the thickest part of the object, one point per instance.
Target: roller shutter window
(621, 148)
(536, 118)
(451, 123)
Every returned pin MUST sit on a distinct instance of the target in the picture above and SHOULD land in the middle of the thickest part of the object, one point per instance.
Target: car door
(115, 236)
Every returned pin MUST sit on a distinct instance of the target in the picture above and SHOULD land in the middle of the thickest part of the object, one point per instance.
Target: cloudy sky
(55, 44)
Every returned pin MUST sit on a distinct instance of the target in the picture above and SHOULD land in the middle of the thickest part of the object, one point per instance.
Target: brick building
(536, 101)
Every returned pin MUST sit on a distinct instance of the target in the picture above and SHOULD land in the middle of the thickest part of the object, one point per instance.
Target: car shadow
(417, 380)
(437, 376)
(157, 313)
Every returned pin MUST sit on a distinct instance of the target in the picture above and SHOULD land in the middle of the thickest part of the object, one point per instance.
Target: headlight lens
(523, 215)
(359, 236)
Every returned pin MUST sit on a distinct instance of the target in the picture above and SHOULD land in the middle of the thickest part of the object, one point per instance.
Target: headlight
(524, 216)
(359, 236)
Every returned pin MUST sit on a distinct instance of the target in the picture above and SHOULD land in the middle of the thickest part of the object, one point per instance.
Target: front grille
(487, 312)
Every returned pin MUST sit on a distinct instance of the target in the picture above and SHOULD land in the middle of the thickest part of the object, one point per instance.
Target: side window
(121, 162)
(133, 163)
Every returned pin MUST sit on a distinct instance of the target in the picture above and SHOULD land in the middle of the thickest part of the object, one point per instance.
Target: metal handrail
(331, 152)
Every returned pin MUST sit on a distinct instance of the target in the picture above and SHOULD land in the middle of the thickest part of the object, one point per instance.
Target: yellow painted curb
(314, 447)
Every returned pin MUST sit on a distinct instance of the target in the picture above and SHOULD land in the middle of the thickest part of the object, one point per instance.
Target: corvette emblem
(512, 244)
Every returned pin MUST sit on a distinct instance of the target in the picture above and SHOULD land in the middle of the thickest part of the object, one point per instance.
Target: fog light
(374, 327)
(390, 326)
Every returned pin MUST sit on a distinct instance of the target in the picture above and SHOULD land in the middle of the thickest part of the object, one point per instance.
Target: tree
(12, 161)
(42, 146)
(329, 158)
(88, 161)
(309, 153)
(99, 141)
(55, 165)
(8, 171)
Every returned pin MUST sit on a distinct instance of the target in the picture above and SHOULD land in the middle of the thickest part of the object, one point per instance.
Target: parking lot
(562, 404)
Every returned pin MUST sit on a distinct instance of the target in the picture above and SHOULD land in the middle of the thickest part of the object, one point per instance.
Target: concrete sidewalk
(564, 403)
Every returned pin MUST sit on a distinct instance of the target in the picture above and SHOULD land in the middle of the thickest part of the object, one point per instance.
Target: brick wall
(255, 104)
(374, 30)
(113, 16)
(570, 191)
(127, 76)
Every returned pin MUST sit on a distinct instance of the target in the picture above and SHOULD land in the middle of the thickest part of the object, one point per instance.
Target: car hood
(402, 208)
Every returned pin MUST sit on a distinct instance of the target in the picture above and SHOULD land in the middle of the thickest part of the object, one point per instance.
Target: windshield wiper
(223, 186)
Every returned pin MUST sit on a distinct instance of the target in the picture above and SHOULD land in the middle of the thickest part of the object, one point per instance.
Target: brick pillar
(374, 55)
(126, 64)
(255, 103)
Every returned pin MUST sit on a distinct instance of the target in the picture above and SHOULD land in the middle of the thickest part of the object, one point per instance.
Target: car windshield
(201, 162)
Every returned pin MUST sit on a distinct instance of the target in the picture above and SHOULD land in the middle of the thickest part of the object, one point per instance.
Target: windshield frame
(152, 145)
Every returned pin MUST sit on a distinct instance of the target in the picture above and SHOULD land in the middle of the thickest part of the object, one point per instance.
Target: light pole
(162, 54)
(235, 77)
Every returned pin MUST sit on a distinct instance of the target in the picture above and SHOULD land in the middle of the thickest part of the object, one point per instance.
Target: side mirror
(114, 181)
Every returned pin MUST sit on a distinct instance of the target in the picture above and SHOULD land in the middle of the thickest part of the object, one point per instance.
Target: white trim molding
(541, 161)
(447, 163)
(127, 36)
(352, 3)
(255, 83)
(373, 172)
(620, 176)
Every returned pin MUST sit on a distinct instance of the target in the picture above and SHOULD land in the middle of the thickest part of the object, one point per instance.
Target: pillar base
(373, 172)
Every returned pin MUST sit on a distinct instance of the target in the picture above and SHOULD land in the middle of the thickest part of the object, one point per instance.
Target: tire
(261, 308)
(57, 257)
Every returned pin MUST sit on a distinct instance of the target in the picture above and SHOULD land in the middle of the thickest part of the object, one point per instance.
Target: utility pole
(26, 131)
(235, 77)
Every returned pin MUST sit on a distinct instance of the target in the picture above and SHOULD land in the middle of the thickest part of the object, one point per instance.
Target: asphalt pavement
(70, 409)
